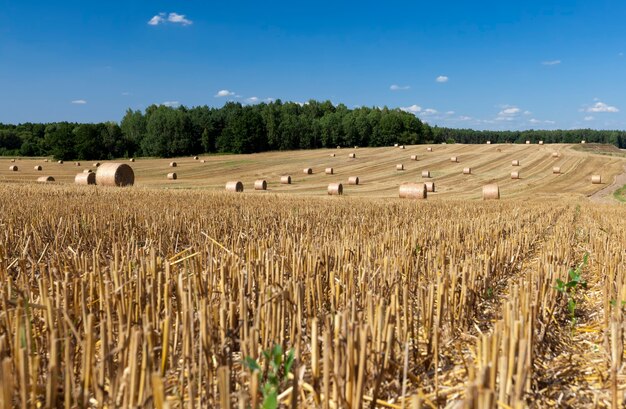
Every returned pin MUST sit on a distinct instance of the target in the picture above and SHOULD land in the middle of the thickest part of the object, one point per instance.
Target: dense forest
(166, 132)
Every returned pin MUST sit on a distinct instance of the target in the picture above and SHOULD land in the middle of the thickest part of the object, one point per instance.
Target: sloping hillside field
(181, 298)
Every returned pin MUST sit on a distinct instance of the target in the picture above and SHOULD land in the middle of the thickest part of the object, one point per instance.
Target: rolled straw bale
(13, 168)
(540, 142)
(356, 147)
(556, 170)
(12, 160)
(45, 179)
(172, 176)
(96, 164)
(429, 149)
(413, 157)
(234, 186)
(132, 159)
(353, 180)
(332, 155)
(37, 167)
(515, 175)
(77, 163)
(307, 171)
(85, 179)
(555, 154)
(596, 179)
(352, 156)
(87, 171)
(395, 145)
(454, 159)
(515, 163)
(401, 146)
(195, 158)
(202, 161)
(338, 147)
(329, 171)
(335, 189)
(425, 173)
(399, 166)
(527, 142)
(260, 184)
(412, 191)
(488, 142)
(467, 171)
(583, 142)
(60, 162)
(115, 174)
(430, 186)
(285, 180)
(491, 192)
(173, 164)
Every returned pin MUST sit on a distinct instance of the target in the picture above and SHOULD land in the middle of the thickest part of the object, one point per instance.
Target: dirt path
(606, 194)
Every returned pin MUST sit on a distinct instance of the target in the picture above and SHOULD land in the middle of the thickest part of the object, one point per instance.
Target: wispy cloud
(509, 111)
(602, 107)
(465, 118)
(442, 78)
(535, 121)
(413, 109)
(252, 100)
(224, 93)
(396, 87)
(126, 93)
(552, 62)
(429, 111)
(172, 104)
(79, 102)
(588, 118)
(173, 18)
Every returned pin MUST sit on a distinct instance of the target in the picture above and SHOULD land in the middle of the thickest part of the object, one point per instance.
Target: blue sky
(483, 65)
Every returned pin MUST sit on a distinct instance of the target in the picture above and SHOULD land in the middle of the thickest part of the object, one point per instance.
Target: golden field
(146, 297)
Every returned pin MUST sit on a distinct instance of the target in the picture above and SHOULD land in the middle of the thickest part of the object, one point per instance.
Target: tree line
(162, 131)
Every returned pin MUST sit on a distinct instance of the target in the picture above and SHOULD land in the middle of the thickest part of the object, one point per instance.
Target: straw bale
(132, 159)
(77, 163)
(413, 191)
(515, 175)
(413, 157)
(352, 155)
(353, 180)
(13, 168)
(429, 149)
(399, 166)
(491, 192)
(401, 146)
(430, 186)
(45, 179)
(454, 159)
(467, 171)
(335, 189)
(307, 171)
(540, 142)
(38, 167)
(285, 180)
(329, 171)
(87, 171)
(172, 176)
(195, 158)
(425, 173)
(395, 145)
(60, 162)
(556, 170)
(260, 184)
(85, 179)
(583, 141)
(488, 142)
(97, 164)
(115, 174)
(596, 179)
(234, 186)
(555, 154)
(12, 160)
(515, 163)
(332, 155)
(527, 142)
(173, 164)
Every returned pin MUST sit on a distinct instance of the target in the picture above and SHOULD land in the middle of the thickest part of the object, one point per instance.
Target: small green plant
(277, 370)
(569, 288)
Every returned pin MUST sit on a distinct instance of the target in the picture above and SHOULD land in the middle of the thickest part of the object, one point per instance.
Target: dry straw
(425, 173)
(596, 179)
(399, 166)
(195, 158)
(172, 176)
(285, 180)
(429, 149)
(352, 156)
(556, 170)
(488, 142)
(77, 163)
(555, 154)
(402, 147)
(38, 167)
(307, 171)
(395, 145)
(115, 174)
(540, 142)
(60, 162)
(234, 186)
(335, 189)
(491, 192)
(329, 171)
(45, 179)
(353, 180)
(467, 171)
(515, 175)
(97, 164)
(202, 161)
(332, 155)
(412, 191)
(13, 168)
(85, 179)
(583, 141)
(132, 159)
(515, 163)
(173, 164)
(527, 142)
(413, 157)
(260, 184)
(454, 159)
(430, 186)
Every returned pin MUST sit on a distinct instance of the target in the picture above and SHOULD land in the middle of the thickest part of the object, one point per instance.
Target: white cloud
(602, 107)
(588, 118)
(430, 111)
(527, 112)
(126, 93)
(173, 18)
(552, 62)
(537, 121)
(173, 104)
(79, 102)
(465, 118)
(549, 122)
(442, 78)
(534, 121)
(413, 109)
(450, 113)
(395, 87)
(252, 100)
(509, 111)
(224, 93)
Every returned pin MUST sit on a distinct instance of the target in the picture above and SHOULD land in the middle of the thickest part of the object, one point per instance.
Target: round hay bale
(96, 164)
(335, 189)
(45, 179)
(467, 171)
(491, 192)
(555, 154)
(38, 167)
(234, 186)
(583, 141)
(13, 168)
(77, 163)
(329, 171)
(307, 171)
(540, 142)
(115, 174)
(87, 171)
(85, 179)
(285, 180)
(556, 170)
(429, 149)
(173, 164)
(425, 173)
(488, 142)
(527, 142)
(356, 147)
(172, 176)
(195, 158)
(413, 157)
(515, 175)
(596, 179)
(430, 186)
(352, 156)
(515, 163)
(202, 161)
(412, 191)
(260, 184)
(454, 159)
(338, 147)
(332, 155)
(132, 159)
(353, 180)
(399, 166)
(60, 162)
(395, 145)
(401, 146)
(12, 160)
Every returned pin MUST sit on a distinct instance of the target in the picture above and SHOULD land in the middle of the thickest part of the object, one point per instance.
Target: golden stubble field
(375, 167)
